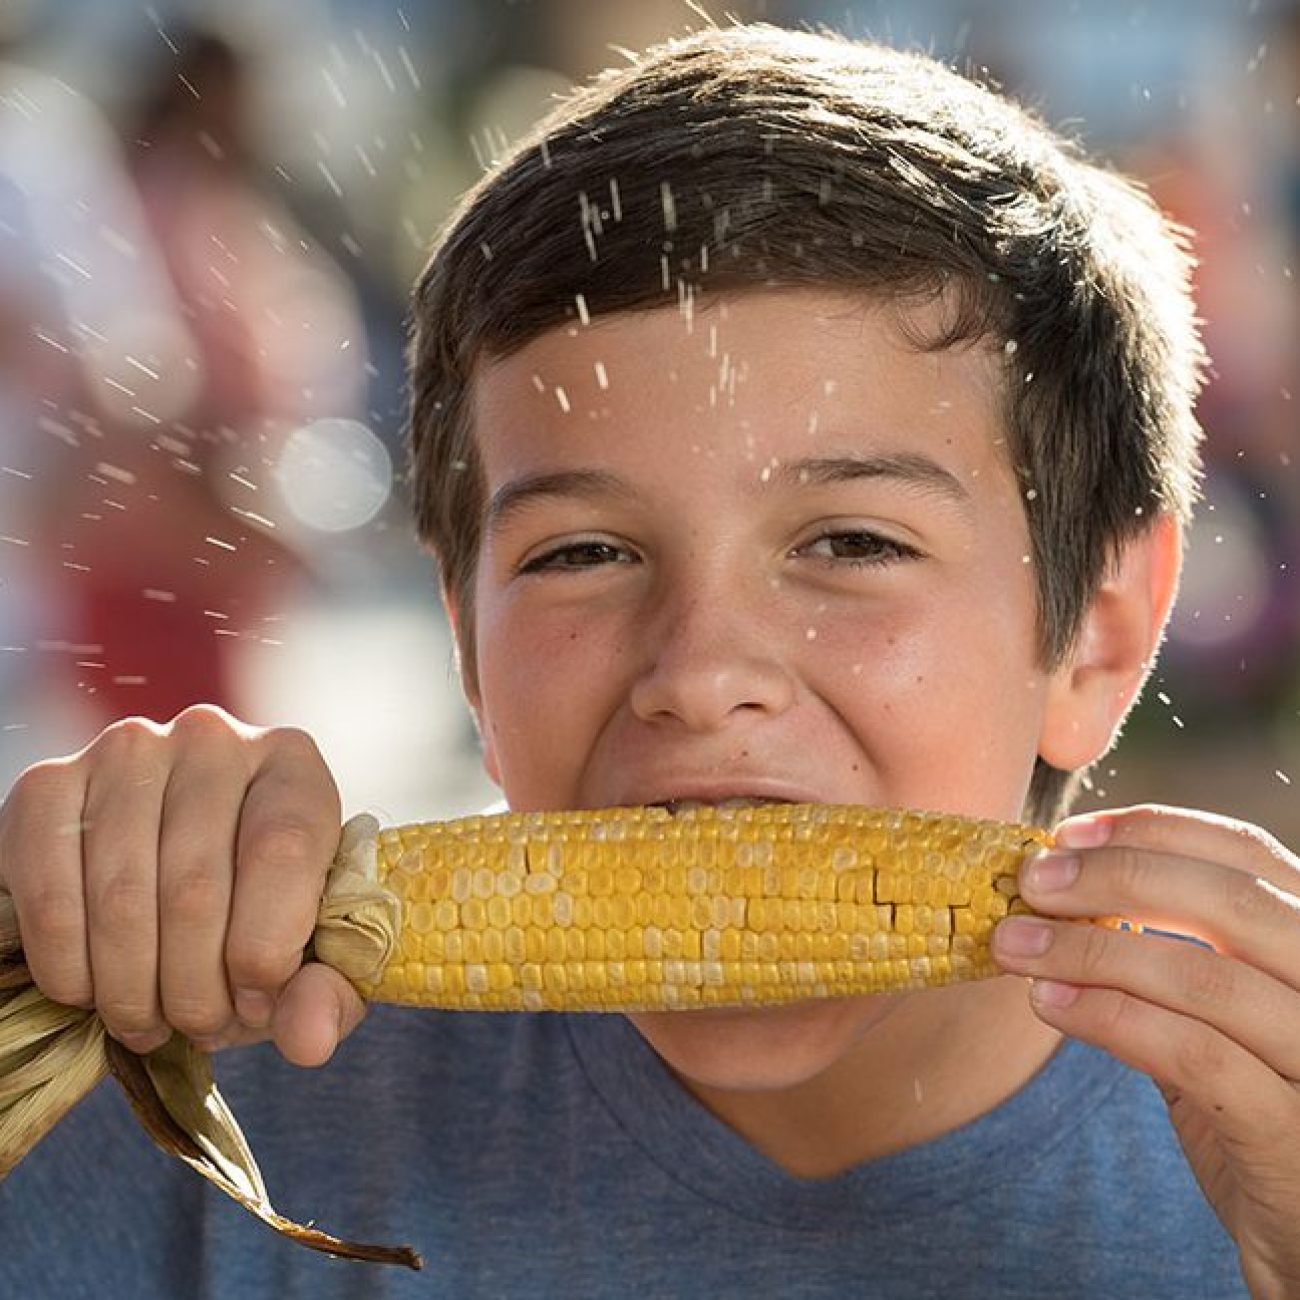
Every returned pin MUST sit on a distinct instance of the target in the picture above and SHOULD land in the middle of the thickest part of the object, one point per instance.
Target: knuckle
(1094, 952)
(207, 724)
(259, 962)
(132, 751)
(1116, 1013)
(194, 894)
(130, 1015)
(1148, 812)
(53, 918)
(298, 748)
(128, 736)
(1254, 836)
(1263, 847)
(1152, 823)
(1207, 980)
(294, 742)
(1201, 1056)
(120, 904)
(53, 926)
(195, 1016)
(44, 784)
(284, 843)
(1253, 846)
(1132, 870)
(204, 716)
(1250, 900)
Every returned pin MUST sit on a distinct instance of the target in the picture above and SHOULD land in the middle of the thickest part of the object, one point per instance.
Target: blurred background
(210, 212)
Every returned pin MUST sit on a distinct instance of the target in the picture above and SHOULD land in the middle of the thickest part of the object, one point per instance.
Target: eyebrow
(515, 496)
(918, 471)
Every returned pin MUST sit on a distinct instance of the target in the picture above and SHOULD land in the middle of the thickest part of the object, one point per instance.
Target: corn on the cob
(633, 909)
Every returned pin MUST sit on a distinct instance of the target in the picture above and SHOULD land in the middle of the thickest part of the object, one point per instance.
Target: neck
(937, 1061)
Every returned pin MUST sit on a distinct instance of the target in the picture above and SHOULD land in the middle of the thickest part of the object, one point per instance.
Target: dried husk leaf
(44, 1087)
(173, 1095)
(51, 1056)
(11, 943)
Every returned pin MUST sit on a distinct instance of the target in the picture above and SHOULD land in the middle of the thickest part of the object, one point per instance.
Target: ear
(467, 671)
(1091, 692)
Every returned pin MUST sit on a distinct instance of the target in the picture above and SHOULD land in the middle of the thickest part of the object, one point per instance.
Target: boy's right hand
(169, 877)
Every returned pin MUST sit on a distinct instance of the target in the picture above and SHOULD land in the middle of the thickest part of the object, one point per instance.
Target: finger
(196, 864)
(288, 834)
(1185, 833)
(317, 1010)
(40, 866)
(1258, 1013)
(124, 797)
(1248, 1101)
(1241, 914)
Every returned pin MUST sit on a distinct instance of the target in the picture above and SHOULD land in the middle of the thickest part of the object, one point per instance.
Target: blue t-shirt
(556, 1156)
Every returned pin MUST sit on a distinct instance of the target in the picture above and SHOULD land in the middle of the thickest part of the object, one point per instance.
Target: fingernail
(1052, 994)
(1084, 832)
(1051, 870)
(254, 1007)
(1022, 936)
(349, 1017)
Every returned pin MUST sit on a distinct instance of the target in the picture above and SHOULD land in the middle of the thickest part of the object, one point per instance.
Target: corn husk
(51, 1056)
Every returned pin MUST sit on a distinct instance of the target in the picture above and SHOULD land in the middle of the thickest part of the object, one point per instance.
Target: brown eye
(859, 547)
(577, 555)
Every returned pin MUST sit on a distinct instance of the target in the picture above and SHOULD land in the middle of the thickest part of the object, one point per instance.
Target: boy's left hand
(1217, 1028)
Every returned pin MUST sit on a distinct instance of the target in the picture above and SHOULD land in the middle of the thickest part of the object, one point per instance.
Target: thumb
(316, 1011)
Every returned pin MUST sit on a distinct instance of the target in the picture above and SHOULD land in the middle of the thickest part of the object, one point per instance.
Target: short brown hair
(752, 156)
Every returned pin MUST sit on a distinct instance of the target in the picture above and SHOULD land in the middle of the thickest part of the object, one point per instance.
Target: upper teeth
(738, 801)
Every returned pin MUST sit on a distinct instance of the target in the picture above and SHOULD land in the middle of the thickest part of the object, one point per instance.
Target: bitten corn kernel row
(634, 909)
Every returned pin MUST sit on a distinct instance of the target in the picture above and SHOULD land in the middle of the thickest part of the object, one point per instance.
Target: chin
(764, 1050)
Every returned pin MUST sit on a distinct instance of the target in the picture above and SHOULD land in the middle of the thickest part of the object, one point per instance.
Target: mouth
(687, 804)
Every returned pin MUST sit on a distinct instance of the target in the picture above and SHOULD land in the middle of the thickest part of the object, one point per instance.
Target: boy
(791, 420)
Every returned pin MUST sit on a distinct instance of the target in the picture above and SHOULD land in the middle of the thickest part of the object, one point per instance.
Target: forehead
(754, 379)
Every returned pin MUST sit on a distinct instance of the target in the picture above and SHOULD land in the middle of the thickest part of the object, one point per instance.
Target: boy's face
(779, 553)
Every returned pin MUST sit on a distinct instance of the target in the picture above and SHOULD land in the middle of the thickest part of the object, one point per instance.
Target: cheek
(544, 682)
(549, 655)
(888, 664)
(920, 687)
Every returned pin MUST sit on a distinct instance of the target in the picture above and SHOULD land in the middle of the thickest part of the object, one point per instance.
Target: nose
(709, 662)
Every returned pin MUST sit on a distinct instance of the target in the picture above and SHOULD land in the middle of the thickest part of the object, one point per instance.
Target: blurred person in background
(166, 505)
(73, 254)
(1239, 623)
